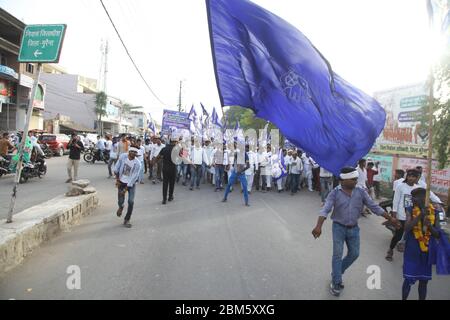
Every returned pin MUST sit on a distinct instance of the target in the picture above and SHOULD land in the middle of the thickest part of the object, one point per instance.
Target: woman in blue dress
(420, 227)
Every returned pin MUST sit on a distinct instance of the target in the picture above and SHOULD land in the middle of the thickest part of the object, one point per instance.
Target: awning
(72, 126)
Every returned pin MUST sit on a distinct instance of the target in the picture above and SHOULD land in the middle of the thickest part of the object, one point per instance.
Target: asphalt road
(198, 248)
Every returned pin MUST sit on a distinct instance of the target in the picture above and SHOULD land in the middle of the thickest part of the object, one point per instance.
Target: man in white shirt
(34, 142)
(209, 149)
(86, 142)
(219, 162)
(362, 172)
(250, 172)
(100, 147)
(266, 169)
(307, 171)
(157, 147)
(402, 200)
(140, 156)
(198, 157)
(295, 169)
(147, 146)
(287, 162)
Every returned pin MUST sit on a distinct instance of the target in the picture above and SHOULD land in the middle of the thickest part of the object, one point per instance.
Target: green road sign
(42, 43)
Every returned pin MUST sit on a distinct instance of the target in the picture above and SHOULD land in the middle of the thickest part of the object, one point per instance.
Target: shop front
(8, 98)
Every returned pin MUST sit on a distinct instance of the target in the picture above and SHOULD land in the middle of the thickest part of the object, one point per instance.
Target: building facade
(16, 79)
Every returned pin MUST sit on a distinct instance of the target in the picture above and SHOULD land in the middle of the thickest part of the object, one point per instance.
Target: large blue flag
(265, 64)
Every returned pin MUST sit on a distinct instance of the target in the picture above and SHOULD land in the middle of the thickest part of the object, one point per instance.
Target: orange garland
(424, 239)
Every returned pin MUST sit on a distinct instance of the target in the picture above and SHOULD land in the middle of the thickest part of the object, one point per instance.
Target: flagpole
(430, 138)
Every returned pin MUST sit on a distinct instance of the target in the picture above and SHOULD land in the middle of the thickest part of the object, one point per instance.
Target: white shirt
(307, 165)
(397, 182)
(403, 199)
(209, 155)
(101, 144)
(108, 145)
(148, 148)
(253, 161)
(325, 173)
(156, 150)
(125, 176)
(140, 155)
(362, 178)
(86, 141)
(296, 166)
(114, 150)
(287, 160)
(198, 155)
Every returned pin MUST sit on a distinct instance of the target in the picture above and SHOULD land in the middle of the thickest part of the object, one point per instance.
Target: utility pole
(103, 75)
(179, 97)
(22, 144)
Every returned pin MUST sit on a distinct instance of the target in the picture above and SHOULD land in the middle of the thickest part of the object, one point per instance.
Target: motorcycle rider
(34, 141)
(5, 145)
(100, 147)
(75, 146)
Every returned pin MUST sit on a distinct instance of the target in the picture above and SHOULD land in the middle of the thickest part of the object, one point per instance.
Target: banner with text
(173, 121)
(440, 179)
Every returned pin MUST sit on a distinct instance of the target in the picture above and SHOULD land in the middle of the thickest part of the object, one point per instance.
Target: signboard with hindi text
(440, 179)
(42, 43)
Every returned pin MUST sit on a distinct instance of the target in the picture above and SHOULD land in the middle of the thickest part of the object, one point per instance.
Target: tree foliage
(441, 112)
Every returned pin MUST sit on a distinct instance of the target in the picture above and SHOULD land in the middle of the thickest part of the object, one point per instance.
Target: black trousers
(398, 235)
(169, 177)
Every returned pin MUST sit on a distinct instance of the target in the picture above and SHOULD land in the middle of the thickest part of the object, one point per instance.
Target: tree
(247, 120)
(441, 112)
(101, 99)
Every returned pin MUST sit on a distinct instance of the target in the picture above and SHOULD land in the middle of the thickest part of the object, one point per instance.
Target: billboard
(440, 179)
(402, 133)
(174, 120)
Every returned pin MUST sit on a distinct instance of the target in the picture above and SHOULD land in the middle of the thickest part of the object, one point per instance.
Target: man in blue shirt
(347, 201)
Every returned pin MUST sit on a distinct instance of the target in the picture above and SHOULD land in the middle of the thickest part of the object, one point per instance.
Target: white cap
(133, 149)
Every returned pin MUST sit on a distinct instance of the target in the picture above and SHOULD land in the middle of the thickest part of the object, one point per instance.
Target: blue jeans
(219, 174)
(342, 234)
(326, 185)
(242, 178)
(196, 175)
(294, 179)
(121, 198)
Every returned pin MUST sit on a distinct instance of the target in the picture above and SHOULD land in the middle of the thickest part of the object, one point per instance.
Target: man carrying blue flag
(265, 64)
(347, 202)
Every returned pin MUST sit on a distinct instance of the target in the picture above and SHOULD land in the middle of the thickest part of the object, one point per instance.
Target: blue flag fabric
(265, 64)
(215, 119)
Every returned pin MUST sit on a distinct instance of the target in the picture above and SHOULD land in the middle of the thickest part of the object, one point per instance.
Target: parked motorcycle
(4, 165)
(91, 155)
(37, 167)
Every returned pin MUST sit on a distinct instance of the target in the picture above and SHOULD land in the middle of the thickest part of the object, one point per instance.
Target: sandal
(389, 255)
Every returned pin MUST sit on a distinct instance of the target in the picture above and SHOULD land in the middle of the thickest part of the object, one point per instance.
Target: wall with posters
(402, 133)
(440, 179)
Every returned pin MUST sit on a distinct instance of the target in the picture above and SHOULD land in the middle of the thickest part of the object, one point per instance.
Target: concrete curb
(40, 223)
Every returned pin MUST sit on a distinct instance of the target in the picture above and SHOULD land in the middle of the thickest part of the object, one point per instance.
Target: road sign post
(40, 44)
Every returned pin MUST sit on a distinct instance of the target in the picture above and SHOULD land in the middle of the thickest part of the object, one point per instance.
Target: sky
(375, 45)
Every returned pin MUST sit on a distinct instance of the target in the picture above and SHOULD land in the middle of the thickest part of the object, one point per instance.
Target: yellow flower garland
(423, 239)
